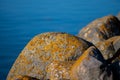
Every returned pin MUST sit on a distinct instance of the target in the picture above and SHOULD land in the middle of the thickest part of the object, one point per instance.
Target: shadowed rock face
(109, 47)
(43, 50)
(115, 67)
(101, 29)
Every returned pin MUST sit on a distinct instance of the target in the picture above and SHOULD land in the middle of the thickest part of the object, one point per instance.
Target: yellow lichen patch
(59, 45)
(25, 78)
(107, 47)
(84, 56)
(81, 58)
(103, 28)
(23, 59)
(34, 43)
(59, 70)
(19, 77)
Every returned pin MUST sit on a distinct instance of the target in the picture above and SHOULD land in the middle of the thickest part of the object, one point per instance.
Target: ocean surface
(21, 20)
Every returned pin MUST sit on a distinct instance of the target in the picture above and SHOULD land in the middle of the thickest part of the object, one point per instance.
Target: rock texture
(87, 67)
(42, 50)
(59, 70)
(101, 29)
(109, 47)
(92, 66)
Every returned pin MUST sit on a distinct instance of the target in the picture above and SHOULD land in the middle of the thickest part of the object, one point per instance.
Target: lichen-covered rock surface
(58, 70)
(109, 47)
(87, 67)
(101, 29)
(40, 53)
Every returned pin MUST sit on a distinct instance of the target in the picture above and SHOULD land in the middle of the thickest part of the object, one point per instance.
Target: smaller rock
(88, 66)
(109, 47)
(101, 29)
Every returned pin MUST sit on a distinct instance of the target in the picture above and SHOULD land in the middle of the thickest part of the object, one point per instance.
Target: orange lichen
(103, 28)
(20, 77)
(81, 58)
(59, 70)
(104, 46)
(61, 44)
(24, 59)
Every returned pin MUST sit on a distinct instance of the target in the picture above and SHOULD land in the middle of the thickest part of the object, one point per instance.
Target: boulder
(42, 50)
(90, 66)
(101, 29)
(109, 47)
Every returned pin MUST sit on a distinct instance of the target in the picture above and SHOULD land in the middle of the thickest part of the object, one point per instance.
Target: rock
(42, 50)
(101, 29)
(118, 16)
(88, 66)
(113, 67)
(109, 47)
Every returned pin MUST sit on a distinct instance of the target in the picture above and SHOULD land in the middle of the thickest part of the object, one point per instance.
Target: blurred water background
(20, 20)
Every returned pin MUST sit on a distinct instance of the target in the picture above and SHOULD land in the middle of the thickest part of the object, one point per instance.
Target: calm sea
(21, 20)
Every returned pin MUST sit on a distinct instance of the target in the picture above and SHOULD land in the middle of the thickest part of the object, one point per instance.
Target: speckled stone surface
(58, 70)
(101, 29)
(87, 67)
(42, 51)
(109, 47)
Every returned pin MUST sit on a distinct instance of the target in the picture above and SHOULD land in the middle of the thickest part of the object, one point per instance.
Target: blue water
(20, 20)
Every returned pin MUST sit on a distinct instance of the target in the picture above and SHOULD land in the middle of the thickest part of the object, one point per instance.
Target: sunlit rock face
(58, 70)
(101, 29)
(87, 67)
(42, 51)
(109, 47)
